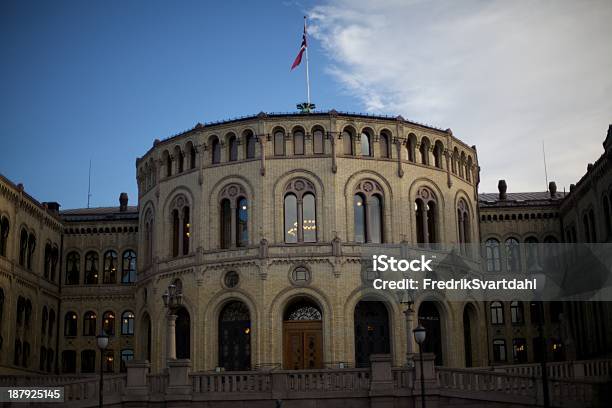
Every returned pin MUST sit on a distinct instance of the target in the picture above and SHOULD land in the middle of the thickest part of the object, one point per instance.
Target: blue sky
(101, 80)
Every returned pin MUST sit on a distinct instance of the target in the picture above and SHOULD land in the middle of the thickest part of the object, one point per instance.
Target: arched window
(426, 216)
(50, 358)
(298, 142)
(359, 217)
(4, 232)
(366, 146)
(17, 353)
(279, 143)
(43, 321)
(347, 142)
(168, 163)
(127, 322)
(468, 169)
(70, 324)
(31, 248)
(385, 145)
(513, 255)
(300, 212)
(411, 147)
(242, 220)
(372, 331)
(438, 154)
(463, 225)
(215, 150)
(232, 147)
(497, 313)
(91, 268)
(462, 163)
(47, 265)
(180, 158)
(317, 141)
(517, 314)
(23, 247)
(424, 151)
(73, 265)
(128, 267)
(149, 234)
(234, 216)
(250, 144)
(54, 261)
(51, 323)
(27, 313)
(108, 323)
(368, 212)
(181, 226)
(493, 255)
(235, 337)
(454, 160)
(89, 324)
(192, 156)
(532, 252)
(110, 267)
(183, 334)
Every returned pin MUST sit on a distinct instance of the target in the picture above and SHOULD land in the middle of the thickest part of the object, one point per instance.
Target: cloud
(503, 75)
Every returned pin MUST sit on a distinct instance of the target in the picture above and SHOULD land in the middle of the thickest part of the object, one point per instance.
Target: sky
(100, 80)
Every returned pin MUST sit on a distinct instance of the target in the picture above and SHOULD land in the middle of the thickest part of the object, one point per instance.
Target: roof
(536, 198)
(100, 214)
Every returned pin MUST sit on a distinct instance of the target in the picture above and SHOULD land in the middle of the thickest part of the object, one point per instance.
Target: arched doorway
(470, 335)
(429, 318)
(302, 335)
(145, 337)
(235, 337)
(183, 334)
(371, 331)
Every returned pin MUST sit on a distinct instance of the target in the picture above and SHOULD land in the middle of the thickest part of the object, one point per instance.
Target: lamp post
(102, 340)
(419, 337)
(173, 299)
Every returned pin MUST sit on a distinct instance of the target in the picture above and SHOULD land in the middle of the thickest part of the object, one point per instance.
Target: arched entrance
(183, 334)
(470, 335)
(235, 337)
(145, 339)
(429, 318)
(371, 331)
(302, 336)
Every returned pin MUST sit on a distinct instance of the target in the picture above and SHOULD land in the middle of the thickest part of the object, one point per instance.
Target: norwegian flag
(303, 47)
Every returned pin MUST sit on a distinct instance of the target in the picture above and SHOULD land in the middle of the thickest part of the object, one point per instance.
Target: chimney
(502, 187)
(52, 206)
(552, 187)
(123, 202)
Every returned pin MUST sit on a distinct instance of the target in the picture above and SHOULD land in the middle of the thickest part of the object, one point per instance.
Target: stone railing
(519, 389)
(379, 385)
(600, 369)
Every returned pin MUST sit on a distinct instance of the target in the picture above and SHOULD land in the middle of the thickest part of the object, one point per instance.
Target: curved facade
(267, 216)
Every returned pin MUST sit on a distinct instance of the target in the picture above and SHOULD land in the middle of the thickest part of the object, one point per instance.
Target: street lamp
(408, 302)
(173, 299)
(419, 337)
(102, 340)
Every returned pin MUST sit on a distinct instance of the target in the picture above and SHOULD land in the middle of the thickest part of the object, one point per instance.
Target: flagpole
(307, 73)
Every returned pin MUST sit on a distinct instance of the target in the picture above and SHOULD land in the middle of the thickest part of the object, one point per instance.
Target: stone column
(409, 313)
(400, 170)
(170, 337)
(262, 145)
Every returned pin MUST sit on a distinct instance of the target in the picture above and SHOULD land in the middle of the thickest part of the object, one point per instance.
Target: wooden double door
(302, 344)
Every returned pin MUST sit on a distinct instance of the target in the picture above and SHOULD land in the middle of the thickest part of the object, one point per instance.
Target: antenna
(545, 169)
(89, 185)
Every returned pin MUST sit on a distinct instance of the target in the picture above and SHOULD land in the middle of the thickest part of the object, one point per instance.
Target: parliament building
(244, 252)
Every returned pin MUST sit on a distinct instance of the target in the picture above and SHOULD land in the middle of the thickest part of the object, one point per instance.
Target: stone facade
(222, 252)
